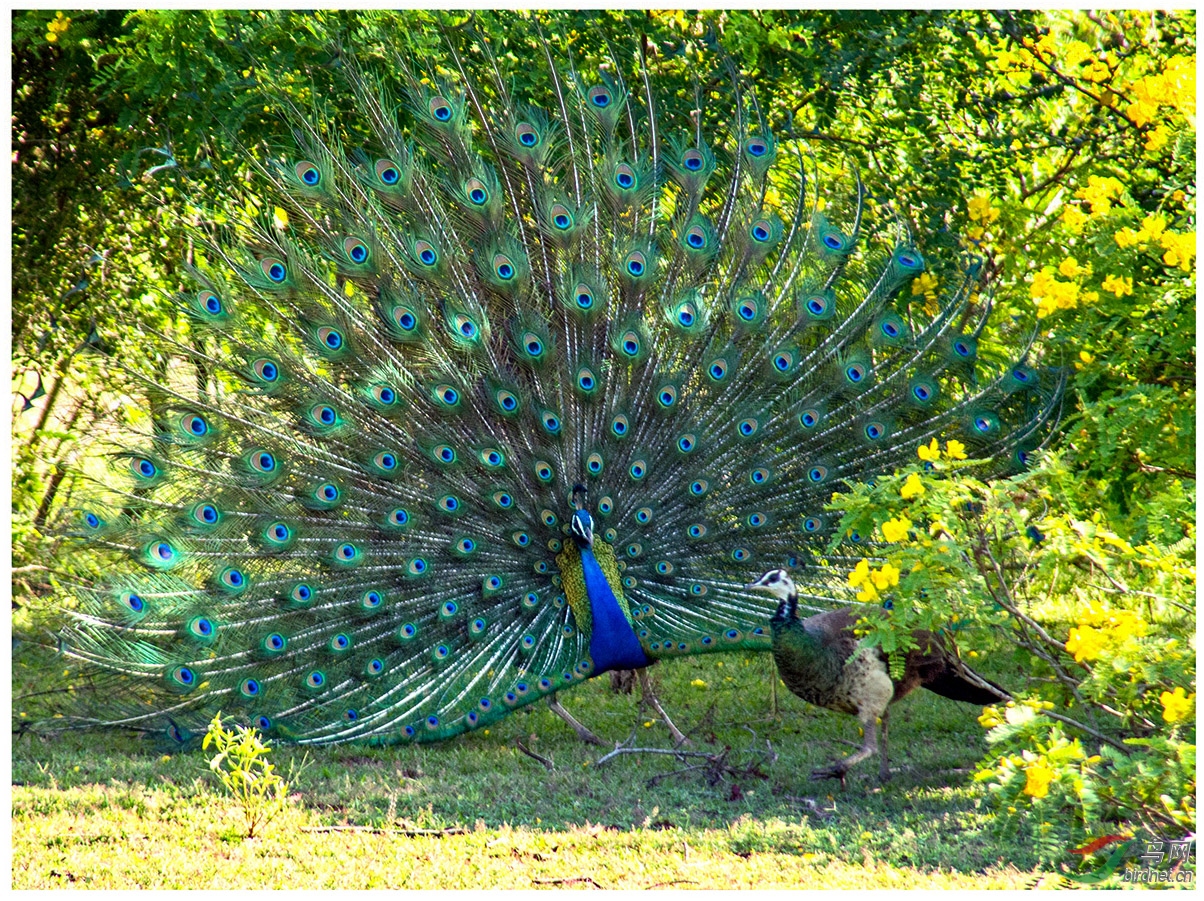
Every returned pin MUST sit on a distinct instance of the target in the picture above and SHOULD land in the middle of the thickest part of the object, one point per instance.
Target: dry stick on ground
(716, 765)
(824, 813)
(374, 830)
(570, 881)
(544, 760)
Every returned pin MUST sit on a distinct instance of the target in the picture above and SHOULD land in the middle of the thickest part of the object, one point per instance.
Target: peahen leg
(883, 765)
(649, 695)
(582, 732)
(838, 769)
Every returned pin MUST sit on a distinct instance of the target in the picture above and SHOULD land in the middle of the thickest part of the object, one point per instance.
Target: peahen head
(778, 583)
(582, 525)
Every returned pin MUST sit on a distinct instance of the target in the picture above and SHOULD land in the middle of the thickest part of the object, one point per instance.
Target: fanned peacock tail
(359, 525)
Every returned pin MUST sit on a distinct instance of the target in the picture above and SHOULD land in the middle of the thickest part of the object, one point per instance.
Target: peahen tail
(482, 395)
(960, 683)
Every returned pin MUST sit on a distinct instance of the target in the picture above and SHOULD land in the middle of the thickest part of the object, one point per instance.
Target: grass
(99, 810)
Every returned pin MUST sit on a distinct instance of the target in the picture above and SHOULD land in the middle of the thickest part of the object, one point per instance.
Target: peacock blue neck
(612, 642)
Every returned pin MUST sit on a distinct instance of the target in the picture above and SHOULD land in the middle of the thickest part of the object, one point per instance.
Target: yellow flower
(924, 285)
(860, 573)
(1071, 268)
(1126, 624)
(896, 529)
(912, 487)
(1073, 218)
(1177, 705)
(698, 683)
(981, 210)
(1076, 52)
(1050, 294)
(955, 450)
(1119, 285)
(886, 577)
(1085, 643)
(1097, 72)
(1126, 237)
(57, 27)
(1180, 249)
(1039, 775)
(930, 452)
(864, 577)
(1155, 139)
(1100, 192)
(1152, 227)
(990, 718)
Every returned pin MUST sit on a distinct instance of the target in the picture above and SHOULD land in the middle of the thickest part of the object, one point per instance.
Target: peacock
(484, 395)
(821, 660)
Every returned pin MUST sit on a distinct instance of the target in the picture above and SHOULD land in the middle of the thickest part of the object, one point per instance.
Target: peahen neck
(808, 663)
(612, 642)
(787, 610)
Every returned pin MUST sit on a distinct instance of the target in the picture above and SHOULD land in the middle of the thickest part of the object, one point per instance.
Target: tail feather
(960, 683)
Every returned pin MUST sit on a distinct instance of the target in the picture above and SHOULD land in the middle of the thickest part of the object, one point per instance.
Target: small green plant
(242, 766)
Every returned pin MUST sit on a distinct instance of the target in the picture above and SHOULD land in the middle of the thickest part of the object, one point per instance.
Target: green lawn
(100, 810)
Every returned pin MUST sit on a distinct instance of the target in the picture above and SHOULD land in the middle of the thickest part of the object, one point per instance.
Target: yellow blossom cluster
(1072, 268)
(980, 210)
(1073, 218)
(912, 487)
(931, 451)
(1098, 628)
(57, 27)
(872, 581)
(1119, 285)
(1177, 705)
(1052, 295)
(991, 717)
(925, 285)
(1174, 86)
(1038, 775)
(896, 529)
(1100, 192)
(1179, 249)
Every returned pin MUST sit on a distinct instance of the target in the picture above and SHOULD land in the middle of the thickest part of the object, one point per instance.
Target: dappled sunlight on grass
(105, 810)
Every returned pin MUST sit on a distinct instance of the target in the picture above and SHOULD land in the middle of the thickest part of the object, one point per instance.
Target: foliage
(242, 766)
(1101, 627)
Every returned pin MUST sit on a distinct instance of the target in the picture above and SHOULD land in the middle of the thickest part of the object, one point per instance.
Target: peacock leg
(582, 732)
(838, 769)
(883, 766)
(649, 695)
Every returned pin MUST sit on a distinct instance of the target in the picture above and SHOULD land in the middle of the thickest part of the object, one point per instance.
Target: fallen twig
(571, 881)
(373, 830)
(544, 760)
(623, 749)
(824, 813)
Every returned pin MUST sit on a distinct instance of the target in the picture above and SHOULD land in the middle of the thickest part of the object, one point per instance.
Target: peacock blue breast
(612, 641)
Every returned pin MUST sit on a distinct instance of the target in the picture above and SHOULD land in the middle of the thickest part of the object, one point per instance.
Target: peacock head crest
(582, 525)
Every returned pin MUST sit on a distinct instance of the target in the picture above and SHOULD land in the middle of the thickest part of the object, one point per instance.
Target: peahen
(513, 392)
(822, 661)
